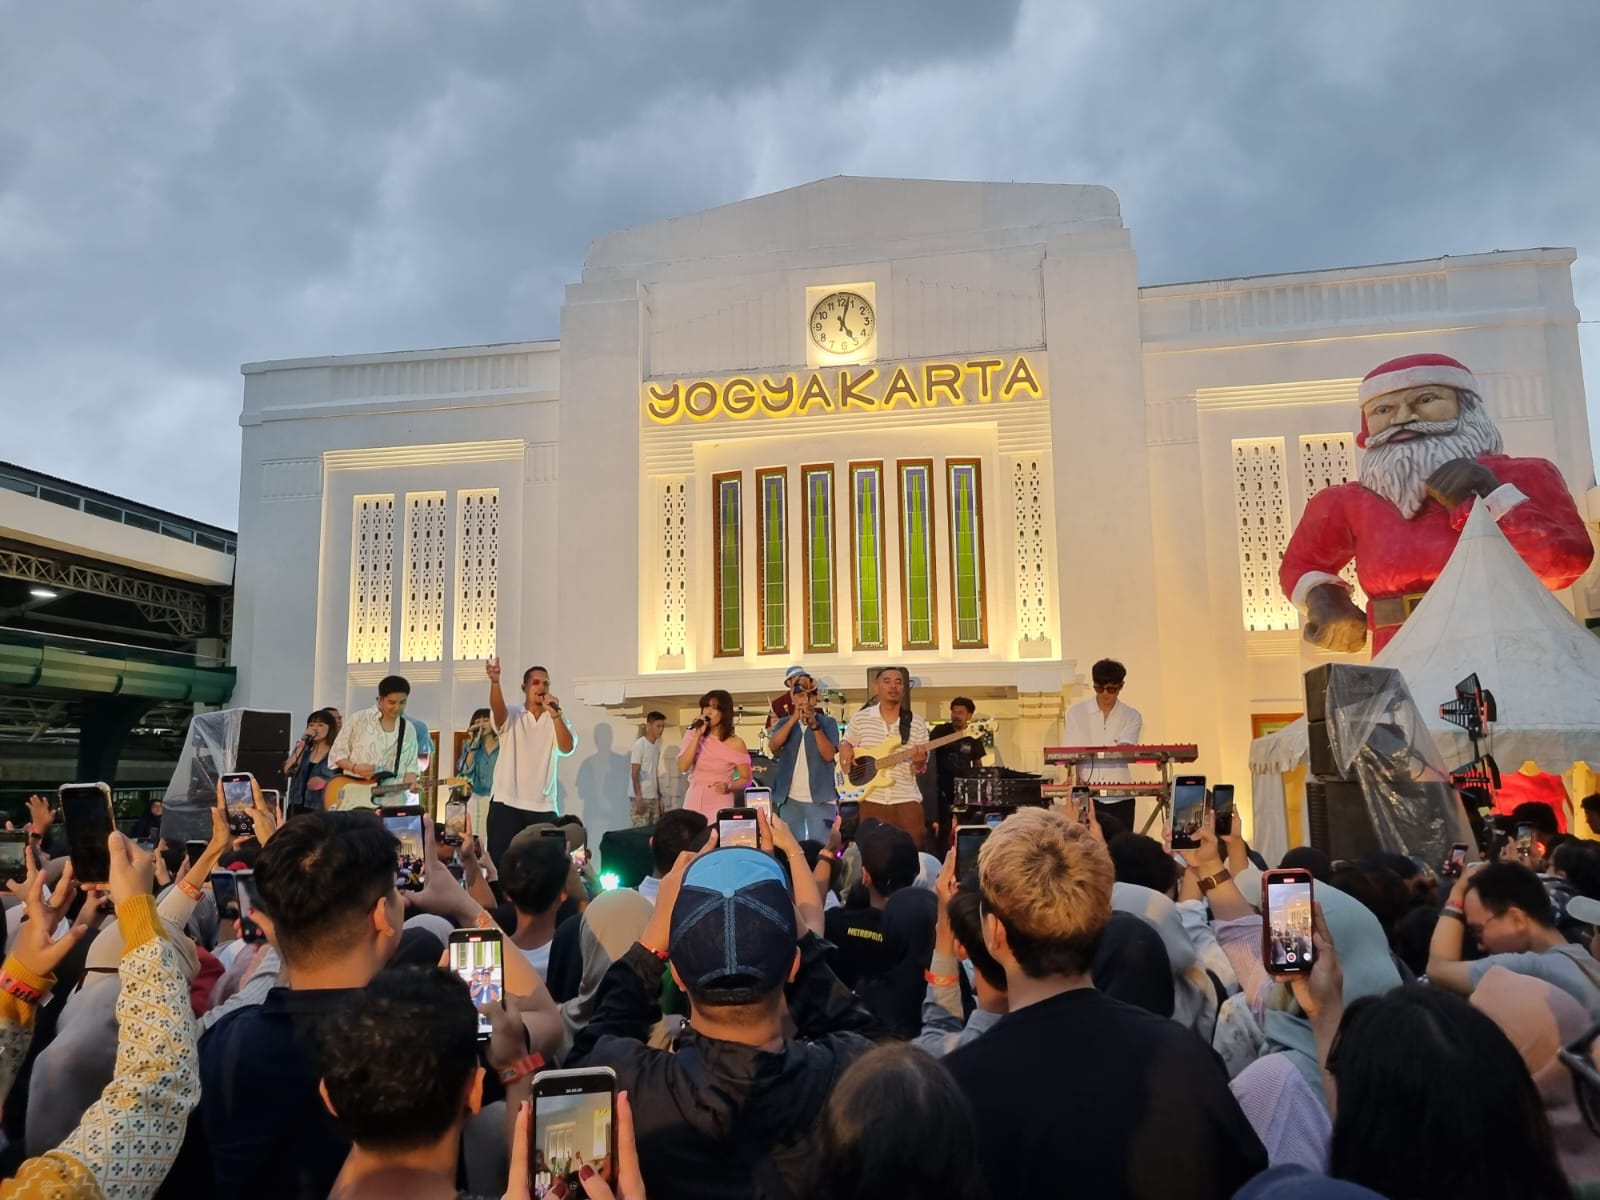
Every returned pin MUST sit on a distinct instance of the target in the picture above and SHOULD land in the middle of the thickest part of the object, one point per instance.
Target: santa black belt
(1393, 610)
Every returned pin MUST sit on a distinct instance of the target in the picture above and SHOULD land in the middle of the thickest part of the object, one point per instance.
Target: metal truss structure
(180, 608)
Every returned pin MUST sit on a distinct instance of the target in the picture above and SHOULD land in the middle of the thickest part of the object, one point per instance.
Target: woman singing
(716, 758)
(308, 768)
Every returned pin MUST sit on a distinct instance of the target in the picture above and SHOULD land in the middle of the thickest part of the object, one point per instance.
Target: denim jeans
(807, 819)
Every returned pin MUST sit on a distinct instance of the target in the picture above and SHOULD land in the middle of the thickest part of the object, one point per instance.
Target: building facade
(859, 422)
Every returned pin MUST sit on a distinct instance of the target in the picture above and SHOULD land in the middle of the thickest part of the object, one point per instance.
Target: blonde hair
(1048, 880)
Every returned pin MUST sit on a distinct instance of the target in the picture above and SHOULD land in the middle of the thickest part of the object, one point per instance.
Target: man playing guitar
(901, 804)
(376, 746)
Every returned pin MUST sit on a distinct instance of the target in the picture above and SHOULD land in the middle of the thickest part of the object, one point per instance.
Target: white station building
(859, 422)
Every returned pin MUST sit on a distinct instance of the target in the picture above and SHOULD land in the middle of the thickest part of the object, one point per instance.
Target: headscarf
(1539, 1019)
(1131, 965)
(610, 924)
(1368, 971)
(1194, 1000)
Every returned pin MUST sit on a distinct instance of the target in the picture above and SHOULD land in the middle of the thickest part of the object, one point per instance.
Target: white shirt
(1088, 726)
(363, 739)
(800, 781)
(649, 887)
(539, 959)
(866, 729)
(525, 772)
(646, 756)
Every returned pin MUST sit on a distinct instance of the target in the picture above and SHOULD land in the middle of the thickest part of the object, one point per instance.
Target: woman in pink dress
(715, 757)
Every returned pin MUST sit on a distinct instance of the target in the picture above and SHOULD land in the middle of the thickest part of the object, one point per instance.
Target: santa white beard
(1399, 471)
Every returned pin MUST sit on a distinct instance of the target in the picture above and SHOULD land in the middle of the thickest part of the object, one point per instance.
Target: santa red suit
(1398, 556)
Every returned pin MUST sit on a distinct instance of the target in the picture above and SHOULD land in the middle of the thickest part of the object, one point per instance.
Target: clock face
(842, 322)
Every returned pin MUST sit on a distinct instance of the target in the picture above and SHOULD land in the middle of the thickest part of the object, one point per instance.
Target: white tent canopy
(1488, 614)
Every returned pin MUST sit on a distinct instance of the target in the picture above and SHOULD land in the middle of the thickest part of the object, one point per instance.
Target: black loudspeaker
(1337, 815)
(625, 853)
(264, 740)
(1320, 749)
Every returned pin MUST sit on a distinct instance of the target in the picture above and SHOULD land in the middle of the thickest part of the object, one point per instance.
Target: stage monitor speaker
(1337, 816)
(625, 853)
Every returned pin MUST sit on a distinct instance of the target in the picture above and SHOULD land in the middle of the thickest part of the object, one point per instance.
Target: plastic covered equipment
(1379, 738)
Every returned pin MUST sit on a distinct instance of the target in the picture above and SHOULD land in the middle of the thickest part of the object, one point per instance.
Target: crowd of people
(833, 1013)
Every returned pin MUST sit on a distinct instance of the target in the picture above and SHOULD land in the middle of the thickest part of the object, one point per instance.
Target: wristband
(661, 954)
(483, 920)
(941, 980)
(1455, 911)
(22, 991)
(522, 1068)
(189, 890)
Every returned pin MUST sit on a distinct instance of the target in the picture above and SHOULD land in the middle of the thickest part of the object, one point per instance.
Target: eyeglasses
(1113, 688)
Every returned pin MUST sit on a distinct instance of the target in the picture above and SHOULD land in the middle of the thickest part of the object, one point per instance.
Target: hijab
(1194, 999)
(1131, 965)
(610, 924)
(1368, 968)
(1539, 1019)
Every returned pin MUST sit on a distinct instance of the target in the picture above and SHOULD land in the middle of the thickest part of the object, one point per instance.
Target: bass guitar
(870, 770)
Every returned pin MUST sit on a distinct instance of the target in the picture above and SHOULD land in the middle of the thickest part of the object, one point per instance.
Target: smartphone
(1188, 811)
(476, 956)
(272, 801)
(1454, 862)
(759, 797)
(225, 893)
(969, 840)
(1286, 897)
(406, 823)
(86, 812)
(249, 901)
(194, 850)
(1525, 841)
(455, 821)
(574, 1125)
(14, 855)
(1222, 808)
(1082, 798)
(737, 827)
(239, 796)
(849, 820)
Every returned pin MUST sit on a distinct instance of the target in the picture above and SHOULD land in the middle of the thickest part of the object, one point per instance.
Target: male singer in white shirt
(534, 735)
(1105, 720)
(379, 742)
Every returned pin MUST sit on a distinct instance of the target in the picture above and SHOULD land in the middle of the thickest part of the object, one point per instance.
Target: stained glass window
(966, 554)
(866, 557)
(917, 602)
(772, 486)
(821, 631)
(729, 582)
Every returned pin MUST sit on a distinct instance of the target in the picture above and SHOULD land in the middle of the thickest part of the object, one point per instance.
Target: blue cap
(733, 930)
(794, 673)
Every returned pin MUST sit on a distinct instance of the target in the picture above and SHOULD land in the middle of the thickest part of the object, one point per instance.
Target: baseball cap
(733, 933)
(889, 855)
(1582, 908)
(573, 832)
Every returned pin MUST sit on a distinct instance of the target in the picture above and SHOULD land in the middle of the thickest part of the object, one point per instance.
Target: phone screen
(849, 819)
(759, 797)
(194, 850)
(969, 840)
(249, 901)
(455, 821)
(86, 812)
(1288, 922)
(573, 1120)
(1188, 811)
(737, 827)
(411, 869)
(272, 800)
(238, 795)
(1524, 840)
(1082, 798)
(1222, 808)
(14, 854)
(1456, 861)
(475, 955)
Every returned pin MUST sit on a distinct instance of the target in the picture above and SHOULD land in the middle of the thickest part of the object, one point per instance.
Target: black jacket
(717, 1120)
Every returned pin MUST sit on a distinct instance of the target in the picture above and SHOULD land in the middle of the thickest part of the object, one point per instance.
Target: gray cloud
(185, 187)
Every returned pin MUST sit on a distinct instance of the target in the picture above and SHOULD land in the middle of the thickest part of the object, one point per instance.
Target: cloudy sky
(185, 186)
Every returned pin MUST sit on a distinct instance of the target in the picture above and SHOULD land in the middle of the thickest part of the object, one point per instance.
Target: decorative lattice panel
(1027, 518)
(672, 565)
(1327, 460)
(426, 578)
(477, 583)
(372, 553)
(1262, 507)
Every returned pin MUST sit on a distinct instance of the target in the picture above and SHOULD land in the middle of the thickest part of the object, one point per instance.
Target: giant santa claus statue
(1431, 450)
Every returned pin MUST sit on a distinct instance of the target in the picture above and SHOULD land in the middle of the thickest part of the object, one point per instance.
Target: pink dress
(714, 762)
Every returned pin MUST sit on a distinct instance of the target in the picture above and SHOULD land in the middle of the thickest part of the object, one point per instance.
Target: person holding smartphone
(804, 742)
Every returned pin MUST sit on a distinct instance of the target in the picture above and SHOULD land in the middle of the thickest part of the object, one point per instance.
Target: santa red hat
(1413, 370)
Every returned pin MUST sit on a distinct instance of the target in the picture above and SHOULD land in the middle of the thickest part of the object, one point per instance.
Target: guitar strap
(905, 727)
(400, 743)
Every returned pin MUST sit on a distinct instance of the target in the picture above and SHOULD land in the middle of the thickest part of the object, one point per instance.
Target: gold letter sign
(832, 390)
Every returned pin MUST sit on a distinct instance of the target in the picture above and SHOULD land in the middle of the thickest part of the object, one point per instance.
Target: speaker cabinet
(1337, 815)
(625, 853)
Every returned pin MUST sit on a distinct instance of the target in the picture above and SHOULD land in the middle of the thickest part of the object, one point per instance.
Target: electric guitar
(870, 770)
(345, 793)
